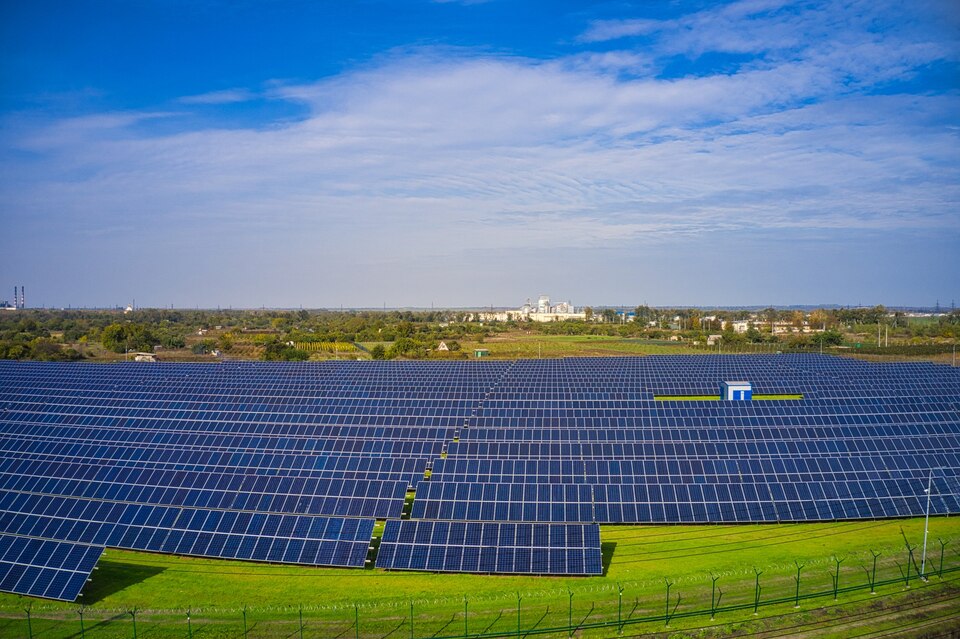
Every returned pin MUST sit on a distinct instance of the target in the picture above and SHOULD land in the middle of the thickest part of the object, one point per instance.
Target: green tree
(831, 338)
(121, 338)
(378, 352)
(277, 350)
(643, 315)
(225, 342)
(404, 329)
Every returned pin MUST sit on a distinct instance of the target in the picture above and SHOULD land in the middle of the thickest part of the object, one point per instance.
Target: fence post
(714, 600)
(80, 612)
(667, 614)
(796, 599)
(411, 619)
(356, 621)
(133, 615)
(836, 578)
(943, 544)
(619, 609)
(189, 626)
(244, 622)
(570, 613)
(756, 596)
(910, 560)
(466, 631)
(873, 579)
(301, 621)
(519, 598)
(29, 622)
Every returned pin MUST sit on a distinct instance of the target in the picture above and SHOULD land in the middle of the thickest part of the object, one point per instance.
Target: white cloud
(425, 155)
(226, 96)
(603, 30)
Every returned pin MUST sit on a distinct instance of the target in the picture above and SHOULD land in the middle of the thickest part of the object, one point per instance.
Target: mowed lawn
(639, 559)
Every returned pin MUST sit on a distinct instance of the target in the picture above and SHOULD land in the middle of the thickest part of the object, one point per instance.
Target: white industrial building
(542, 311)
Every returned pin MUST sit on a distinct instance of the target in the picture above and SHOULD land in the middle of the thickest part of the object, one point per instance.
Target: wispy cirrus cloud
(604, 30)
(226, 96)
(593, 151)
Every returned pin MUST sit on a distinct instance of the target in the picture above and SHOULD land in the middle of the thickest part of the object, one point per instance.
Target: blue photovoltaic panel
(225, 460)
(491, 547)
(297, 539)
(45, 568)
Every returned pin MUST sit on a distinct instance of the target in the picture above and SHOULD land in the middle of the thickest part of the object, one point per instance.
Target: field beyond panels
(161, 589)
(519, 344)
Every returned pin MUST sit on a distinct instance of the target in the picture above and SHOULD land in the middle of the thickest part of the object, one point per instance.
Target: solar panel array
(293, 462)
(585, 440)
(285, 463)
(491, 547)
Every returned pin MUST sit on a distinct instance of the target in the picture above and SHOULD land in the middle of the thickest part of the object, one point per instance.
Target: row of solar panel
(282, 423)
(43, 568)
(697, 430)
(160, 396)
(616, 424)
(359, 468)
(236, 413)
(190, 433)
(691, 488)
(671, 503)
(559, 549)
(506, 429)
(360, 498)
(15, 452)
(264, 445)
(556, 471)
(703, 449)
(236, 395)
(326, 541)
(714, 408)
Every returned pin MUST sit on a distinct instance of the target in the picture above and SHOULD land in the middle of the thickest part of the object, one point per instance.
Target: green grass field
(638, 558)
(525, 345)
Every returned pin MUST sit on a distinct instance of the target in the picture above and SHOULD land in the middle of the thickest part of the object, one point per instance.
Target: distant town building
(542, 311)
(740, 326)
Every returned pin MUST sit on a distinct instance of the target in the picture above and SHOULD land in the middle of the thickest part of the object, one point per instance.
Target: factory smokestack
(22, 302)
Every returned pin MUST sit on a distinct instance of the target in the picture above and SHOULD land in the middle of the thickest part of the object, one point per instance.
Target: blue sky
(410, 153)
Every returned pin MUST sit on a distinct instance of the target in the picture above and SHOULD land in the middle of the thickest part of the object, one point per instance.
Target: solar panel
(45, 568)
(298, 539)
(491, 547)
